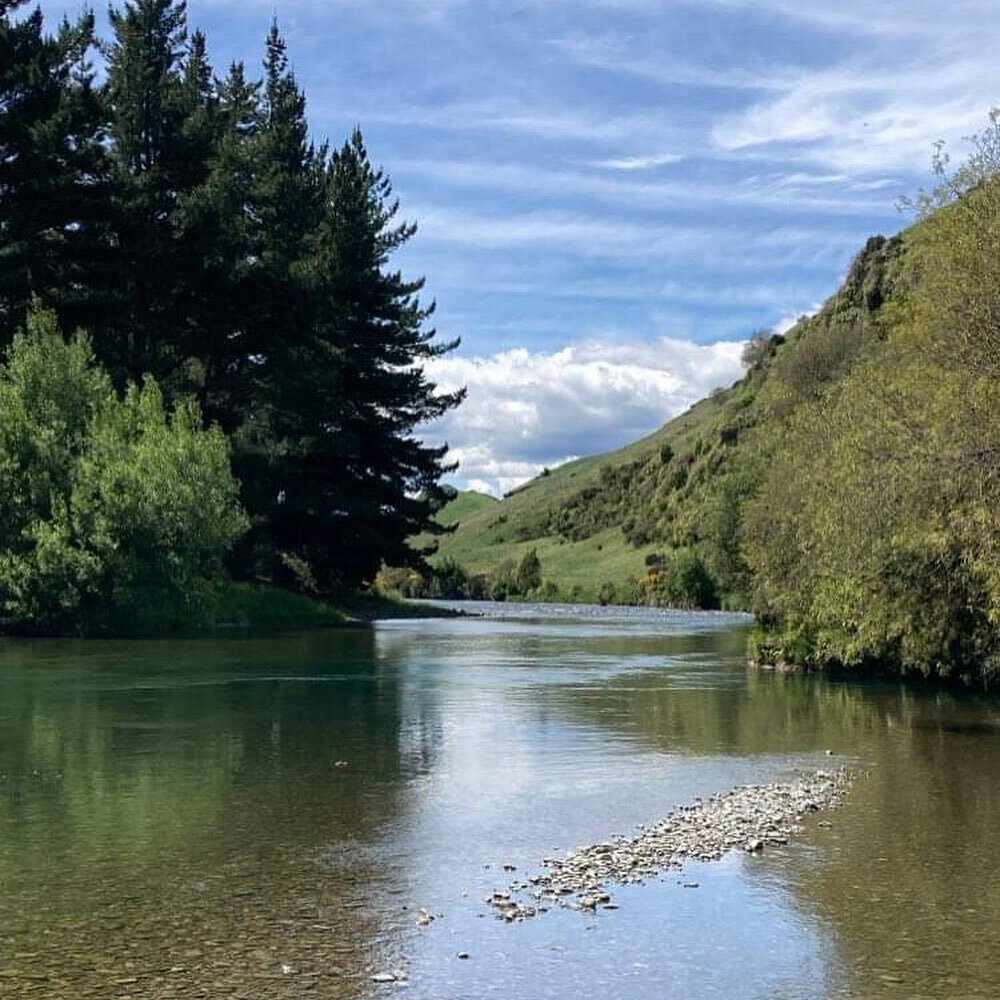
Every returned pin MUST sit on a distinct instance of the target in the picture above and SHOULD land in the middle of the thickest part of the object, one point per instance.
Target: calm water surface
(263, 818)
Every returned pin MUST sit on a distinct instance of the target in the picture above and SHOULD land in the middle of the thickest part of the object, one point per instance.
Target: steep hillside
(618, 519)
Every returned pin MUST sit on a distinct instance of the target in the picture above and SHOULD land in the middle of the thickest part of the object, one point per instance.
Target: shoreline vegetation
(211, 369)
(213, 375)
(253, 608)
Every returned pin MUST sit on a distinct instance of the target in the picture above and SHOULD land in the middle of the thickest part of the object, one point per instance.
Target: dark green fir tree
(54, 183)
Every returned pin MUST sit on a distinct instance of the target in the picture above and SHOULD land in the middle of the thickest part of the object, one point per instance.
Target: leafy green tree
(114, 512)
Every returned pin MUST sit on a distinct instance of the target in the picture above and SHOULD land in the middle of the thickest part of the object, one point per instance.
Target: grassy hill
(845, 489)
(466, 505)
(612, 519)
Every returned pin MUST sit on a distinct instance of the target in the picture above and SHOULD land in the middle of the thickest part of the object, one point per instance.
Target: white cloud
(881, 112)
(527, 410)
(630, 163)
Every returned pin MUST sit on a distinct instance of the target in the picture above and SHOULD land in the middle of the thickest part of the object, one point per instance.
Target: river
(263, 817)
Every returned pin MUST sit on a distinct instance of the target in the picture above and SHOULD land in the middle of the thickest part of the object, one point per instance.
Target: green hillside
(845, 490)
(613, 520)
(466, 505)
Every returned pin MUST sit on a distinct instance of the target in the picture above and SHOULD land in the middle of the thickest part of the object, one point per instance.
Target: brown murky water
(263, 817)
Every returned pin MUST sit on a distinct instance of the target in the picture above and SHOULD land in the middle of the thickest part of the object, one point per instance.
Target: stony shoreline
(748, 818)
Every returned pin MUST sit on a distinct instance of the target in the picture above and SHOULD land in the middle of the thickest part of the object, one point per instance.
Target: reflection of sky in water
(296, 798)
(502, 772)
(726, 940)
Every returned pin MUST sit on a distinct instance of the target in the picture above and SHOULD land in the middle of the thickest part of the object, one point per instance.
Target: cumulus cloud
(529, 410)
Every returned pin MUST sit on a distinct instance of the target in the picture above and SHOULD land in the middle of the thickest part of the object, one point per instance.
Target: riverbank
(246, 607)
(252, 606)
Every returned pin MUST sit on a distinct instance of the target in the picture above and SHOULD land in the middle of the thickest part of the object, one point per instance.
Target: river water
(264, 817)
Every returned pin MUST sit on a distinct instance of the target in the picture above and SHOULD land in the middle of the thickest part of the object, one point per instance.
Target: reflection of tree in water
(909, 880)
(168, 810)
(699, 706)
(906, 876)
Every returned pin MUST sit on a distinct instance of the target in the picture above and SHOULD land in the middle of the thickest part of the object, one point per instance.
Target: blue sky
(612, 194)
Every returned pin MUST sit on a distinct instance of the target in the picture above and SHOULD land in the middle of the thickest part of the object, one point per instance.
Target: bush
(529, 573)
(115, 514)
(681, 581)
(449, 580)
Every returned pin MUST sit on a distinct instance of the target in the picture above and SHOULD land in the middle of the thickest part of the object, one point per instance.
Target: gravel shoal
(750, 818)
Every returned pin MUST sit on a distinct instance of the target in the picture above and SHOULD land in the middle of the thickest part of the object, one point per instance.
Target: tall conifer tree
(54, 195)
(368, 483)
(286, 206)
(161, 104)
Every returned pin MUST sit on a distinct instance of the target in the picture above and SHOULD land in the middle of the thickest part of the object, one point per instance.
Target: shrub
(115, 513)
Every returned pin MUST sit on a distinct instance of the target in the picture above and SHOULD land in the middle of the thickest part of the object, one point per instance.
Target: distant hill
(608, 521)
(466, 505)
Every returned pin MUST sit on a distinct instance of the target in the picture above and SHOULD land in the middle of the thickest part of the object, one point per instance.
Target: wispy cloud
(630, 163)
(776, 192)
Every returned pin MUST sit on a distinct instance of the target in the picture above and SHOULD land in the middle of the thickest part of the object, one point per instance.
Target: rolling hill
(609, 521)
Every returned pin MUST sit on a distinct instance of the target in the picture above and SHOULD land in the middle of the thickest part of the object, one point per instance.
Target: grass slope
(492, 532)
(596, 519)
(465, 506)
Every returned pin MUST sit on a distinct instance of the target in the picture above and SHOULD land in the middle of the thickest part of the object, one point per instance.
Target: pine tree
(285, 207)
(222, 208)
(366, 484)
(162, 110)
(54, 193)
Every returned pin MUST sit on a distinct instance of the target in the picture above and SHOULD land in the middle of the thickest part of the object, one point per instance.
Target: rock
(745, 818)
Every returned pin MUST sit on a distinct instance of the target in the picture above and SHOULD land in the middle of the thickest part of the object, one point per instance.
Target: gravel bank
(749, 818)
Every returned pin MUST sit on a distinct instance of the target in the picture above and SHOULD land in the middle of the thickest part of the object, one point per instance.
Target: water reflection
(163, 806)
(263, 817)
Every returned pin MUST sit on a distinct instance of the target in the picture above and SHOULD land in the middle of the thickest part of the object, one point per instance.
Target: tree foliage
(54, 170)
(114, 510)
(873, 541)
(191, 225)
